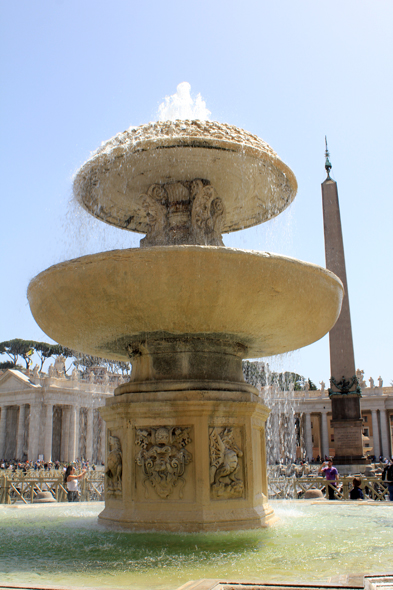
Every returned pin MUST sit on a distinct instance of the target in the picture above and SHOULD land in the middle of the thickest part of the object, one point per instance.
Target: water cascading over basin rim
(186, 435)
(252, 181)
(267, 303)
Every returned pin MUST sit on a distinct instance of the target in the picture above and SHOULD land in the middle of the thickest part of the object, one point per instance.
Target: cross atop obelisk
(344, 389)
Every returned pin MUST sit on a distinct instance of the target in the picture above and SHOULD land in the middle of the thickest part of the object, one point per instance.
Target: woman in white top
(71, 481)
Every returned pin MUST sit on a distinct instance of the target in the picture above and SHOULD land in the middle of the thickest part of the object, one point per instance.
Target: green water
(64, 545)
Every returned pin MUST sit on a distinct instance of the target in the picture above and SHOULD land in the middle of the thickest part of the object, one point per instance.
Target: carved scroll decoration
(207, 217)
(114, 466)
(154, 205)
(187, 212)
(163, 458)
(224, 464)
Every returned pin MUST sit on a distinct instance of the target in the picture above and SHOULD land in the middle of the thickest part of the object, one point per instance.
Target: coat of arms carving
(163, 458)
(224, 464)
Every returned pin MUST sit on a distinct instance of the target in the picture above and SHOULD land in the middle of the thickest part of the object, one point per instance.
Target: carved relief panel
(226, 464)
(188, 212)
(114, 466)
(163, 459)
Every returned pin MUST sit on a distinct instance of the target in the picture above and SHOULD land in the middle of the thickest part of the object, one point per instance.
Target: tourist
(71, 481)
(331, 475)
(356, 493)
(387, 476)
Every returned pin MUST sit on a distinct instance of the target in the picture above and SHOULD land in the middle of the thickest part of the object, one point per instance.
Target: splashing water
(281, 431)
(181, 105)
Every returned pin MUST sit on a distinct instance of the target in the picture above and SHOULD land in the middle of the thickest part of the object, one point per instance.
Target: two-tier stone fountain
(186, 435)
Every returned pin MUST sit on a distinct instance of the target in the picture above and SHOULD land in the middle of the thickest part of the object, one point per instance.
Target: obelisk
(344, 390)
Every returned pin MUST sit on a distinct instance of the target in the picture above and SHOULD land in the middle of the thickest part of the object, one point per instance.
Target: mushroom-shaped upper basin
(254, 184)
(268, 303)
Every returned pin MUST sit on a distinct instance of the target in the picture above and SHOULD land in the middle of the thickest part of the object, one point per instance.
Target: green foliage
(255, 374)
(18, 348)
(312, 385)
(86, 362)
(8, 365)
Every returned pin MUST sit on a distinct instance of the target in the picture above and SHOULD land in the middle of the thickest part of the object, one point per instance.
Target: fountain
(186, 435)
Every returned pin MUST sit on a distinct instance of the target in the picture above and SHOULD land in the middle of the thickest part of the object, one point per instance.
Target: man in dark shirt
(356, 493)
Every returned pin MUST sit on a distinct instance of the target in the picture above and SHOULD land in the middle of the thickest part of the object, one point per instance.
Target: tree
(46, 351)
(18, 348)
(312, 385)
(84, 362)
(9, 365)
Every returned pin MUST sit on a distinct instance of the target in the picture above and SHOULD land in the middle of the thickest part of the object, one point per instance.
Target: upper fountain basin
(267, 303)
(249, 177)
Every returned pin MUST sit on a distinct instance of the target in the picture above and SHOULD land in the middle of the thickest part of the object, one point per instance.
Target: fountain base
(186, 461)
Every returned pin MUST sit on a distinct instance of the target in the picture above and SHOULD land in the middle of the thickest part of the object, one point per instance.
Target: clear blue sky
(75, 73)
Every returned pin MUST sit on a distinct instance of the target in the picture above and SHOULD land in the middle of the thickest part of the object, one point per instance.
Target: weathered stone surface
(313, 493)
(248, 176)
(173, 479)
(266, 303)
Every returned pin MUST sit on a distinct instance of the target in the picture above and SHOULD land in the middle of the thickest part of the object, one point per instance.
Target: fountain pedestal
(191, 461)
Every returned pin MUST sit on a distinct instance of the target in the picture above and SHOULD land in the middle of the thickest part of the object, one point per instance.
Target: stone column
(89, 435)
(21, 431)
(376, 444)
(308, 434)
(324, 435)
(65, 434)
(33, 432)
(3, 426)
(72, 444)
(48, 432)
(386, 450)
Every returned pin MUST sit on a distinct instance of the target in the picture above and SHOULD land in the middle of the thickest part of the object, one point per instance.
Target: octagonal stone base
(186, 461)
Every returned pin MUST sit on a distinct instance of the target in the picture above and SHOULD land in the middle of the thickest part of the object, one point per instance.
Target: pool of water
(63, 544)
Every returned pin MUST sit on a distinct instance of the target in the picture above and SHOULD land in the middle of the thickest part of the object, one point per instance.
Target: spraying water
(181, 105)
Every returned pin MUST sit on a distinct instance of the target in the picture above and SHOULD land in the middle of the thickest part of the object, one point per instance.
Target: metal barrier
(373, 488)
(16, 487)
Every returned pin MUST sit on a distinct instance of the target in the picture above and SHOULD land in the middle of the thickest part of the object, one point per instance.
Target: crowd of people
(356, 493)
(28, 466)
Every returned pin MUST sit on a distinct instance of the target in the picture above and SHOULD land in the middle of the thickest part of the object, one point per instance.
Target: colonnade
(34, 434)
(381, 437)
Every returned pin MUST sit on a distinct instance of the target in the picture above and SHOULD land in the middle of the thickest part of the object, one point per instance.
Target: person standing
(71, 481)
(331, 475)
(387, 475)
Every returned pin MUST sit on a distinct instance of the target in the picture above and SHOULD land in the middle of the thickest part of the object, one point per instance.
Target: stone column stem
(21, 431)
(308, 434)
(3, 426)
(376, 435)
(386, 451)
(33, 432)
(89, 435)
(324, 435)
(48, 433)
(72, 435)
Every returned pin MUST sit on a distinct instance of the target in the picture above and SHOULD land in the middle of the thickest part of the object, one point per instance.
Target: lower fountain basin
(63, 544)
(262, 304)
